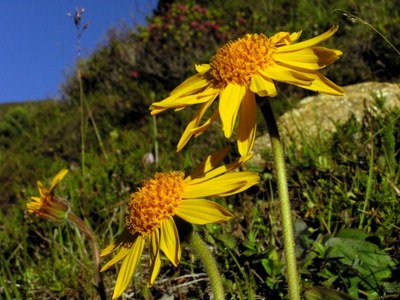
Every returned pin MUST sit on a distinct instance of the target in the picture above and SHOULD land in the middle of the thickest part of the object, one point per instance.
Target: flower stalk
(55, 209)
(209, 264)
(84, 229)
(283, 194)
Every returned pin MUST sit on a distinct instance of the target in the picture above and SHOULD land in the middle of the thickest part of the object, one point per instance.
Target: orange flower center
(236, 62)
(155, 201)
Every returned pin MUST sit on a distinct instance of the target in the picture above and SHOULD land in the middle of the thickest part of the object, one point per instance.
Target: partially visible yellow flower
(47, 205)
(154, 207)
(243, 68)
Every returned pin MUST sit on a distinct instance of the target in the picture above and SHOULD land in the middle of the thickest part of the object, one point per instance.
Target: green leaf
(352, 233)
(318, 293)
(372, 263)
(229, 240)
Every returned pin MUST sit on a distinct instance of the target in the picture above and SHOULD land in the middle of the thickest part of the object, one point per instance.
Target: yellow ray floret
(47, 205)
(153, 207)
(247, 67)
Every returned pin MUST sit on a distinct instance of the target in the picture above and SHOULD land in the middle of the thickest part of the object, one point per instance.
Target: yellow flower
(47, 205)
(154, 207)
(243, 68)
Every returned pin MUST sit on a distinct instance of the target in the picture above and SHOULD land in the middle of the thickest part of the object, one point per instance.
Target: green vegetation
(344, 189)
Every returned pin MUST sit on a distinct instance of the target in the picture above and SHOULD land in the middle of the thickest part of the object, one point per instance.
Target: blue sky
(38, 44)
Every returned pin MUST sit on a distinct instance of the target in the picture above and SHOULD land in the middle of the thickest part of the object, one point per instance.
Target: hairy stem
(286, 216)
(209, 264)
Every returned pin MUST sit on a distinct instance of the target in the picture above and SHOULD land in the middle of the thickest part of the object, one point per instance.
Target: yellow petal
(225, 184)
(120, 255)
(208, 94)
(128, 267)
(295, 36)
(211, 162)
(308, 43)
(125, 237)
(285, 74)
(35, 205)
(155, 110)
(218, 171)
(321, 84)
(309, 58)
(202, 68)
(262, 86)
(281, 38)
(229, 103)
(187, 90)
(169, 241)
(188, 133)
(42, 190)
(109, 249)
(36, 199)
(201, 211)
(190, 86)
(178, 103)
(200, 129)
(246, 132)
(251, 179)
(155, 260)
(56, 180)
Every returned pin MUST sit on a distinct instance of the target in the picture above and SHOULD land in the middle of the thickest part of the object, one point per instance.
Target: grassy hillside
(344, 190)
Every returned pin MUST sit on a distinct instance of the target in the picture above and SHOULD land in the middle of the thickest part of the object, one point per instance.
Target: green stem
(209, 264)
(369, 186)
(83, 135)
(96, 131)
(155, 132)
(286, 216)
(83, 228)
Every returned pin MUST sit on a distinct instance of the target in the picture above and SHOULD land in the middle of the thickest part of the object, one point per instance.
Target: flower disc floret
(157, 200)
(237, 61)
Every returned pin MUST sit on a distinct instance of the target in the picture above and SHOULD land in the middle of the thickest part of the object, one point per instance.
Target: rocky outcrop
(323, 112)
(320, 114)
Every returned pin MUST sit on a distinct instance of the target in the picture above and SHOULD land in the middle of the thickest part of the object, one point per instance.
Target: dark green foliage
(14, 123)
(182, 36)
(135, 67)
(332, 197)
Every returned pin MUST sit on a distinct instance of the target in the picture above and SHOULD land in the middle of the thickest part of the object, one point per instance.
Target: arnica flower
(154, 208)
(243, 68)
(47, 205)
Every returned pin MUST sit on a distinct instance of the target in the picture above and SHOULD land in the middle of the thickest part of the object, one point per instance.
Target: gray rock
(319, 115)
